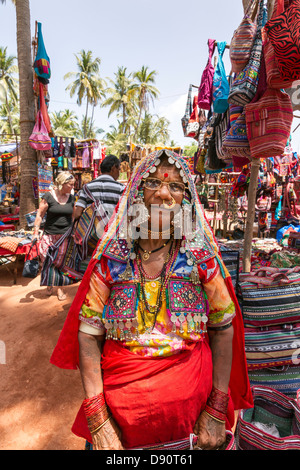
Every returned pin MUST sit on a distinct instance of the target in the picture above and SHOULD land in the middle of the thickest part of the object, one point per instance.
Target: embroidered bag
(193, 126)
(236, 143)
(243, 38)
(245, 84)
(39, 139)
(270, 301)
(271, 410)
(274, 78)
(188, 111)
(206, 84)
(269, 122)
(42, 61)
(283, 32)
(220, 83)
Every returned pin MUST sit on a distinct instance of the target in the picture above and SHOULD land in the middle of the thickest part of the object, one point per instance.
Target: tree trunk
(28, 203)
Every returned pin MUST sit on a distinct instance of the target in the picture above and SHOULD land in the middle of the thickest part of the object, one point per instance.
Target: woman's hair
(63, 178)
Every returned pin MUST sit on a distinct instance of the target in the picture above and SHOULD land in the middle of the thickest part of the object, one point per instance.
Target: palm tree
(87, 84)
(64, 123)
(145, 91)
(9, 118)
(8, 83)
(120, 95)
(115, 140)
(154, 130)
(28, 203)
(92, 131)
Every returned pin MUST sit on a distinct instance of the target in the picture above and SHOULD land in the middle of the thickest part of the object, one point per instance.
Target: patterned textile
(10, 243)
(183, 301)
(285, 379)
(46, 241)
(270, 408)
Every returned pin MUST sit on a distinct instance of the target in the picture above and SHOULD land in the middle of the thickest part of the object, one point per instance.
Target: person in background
(105, 188)
(58, 206)
(124, 167)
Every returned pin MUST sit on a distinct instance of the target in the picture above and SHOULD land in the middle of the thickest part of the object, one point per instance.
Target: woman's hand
(108, 437)
(211, 435)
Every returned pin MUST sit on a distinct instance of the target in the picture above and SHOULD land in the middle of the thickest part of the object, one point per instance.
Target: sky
(169, 36)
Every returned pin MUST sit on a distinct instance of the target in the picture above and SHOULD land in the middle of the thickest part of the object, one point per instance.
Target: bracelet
(96, 412)
(218, 400)
(101, 425)
(215, 413)
(213, 417)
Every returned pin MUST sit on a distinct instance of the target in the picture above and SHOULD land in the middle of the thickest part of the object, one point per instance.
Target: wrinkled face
(156, 200)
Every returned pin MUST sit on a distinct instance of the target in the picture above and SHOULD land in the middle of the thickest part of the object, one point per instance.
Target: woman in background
(57, 205)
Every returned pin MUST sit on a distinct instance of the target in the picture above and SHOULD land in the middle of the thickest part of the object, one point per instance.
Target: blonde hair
(62, 178)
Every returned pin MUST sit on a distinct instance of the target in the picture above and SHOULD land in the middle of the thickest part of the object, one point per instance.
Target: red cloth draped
(133, 388)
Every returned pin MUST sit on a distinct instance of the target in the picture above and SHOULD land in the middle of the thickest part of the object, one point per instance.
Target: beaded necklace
(164, 276)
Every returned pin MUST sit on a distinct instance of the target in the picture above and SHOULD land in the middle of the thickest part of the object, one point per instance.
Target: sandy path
(38, 401)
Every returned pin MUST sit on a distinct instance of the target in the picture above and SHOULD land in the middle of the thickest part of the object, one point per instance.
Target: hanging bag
(39, 139)
(220, 83)
(272, 424)
(245, 84)
(193, 127)
(283, 32)
(188, 111)
(274, 78)
(243, 38)
(31, 266)
(236, 143)
(270, 301)
(206, 84)
(42, 61)
(269, 122)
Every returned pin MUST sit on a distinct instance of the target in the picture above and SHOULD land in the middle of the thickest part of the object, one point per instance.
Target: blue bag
(220, 83)
(42, 61)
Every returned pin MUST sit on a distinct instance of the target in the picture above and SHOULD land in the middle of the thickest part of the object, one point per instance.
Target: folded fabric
(9, 243)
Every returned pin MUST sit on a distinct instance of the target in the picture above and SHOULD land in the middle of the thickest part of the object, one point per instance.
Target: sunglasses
(154, 184)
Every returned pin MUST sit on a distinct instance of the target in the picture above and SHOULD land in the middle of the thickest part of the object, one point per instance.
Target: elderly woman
(57, 205)
(157, 306)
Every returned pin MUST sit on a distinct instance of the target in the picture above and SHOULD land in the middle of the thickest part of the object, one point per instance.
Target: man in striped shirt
(105, 188)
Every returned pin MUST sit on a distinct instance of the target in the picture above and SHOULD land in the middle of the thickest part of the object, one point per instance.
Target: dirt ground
(38, 401)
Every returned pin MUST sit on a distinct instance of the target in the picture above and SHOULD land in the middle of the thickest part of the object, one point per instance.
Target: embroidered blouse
(113, 307)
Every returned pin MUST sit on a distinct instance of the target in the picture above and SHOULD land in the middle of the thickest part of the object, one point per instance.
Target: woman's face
(68, 186)
(157, 200)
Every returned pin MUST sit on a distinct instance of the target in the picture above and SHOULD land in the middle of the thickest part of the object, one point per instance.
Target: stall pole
(252, 189)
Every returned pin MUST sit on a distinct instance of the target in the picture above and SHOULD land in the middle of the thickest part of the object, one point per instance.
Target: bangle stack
(217, 405)
(96, 412)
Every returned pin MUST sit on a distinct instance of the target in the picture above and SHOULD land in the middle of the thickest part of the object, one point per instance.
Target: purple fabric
(206, 85)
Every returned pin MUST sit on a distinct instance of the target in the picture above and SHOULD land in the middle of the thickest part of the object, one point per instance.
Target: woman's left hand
(211, 435)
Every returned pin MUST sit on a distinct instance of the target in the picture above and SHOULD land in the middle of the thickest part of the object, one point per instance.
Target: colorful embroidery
(122, 302)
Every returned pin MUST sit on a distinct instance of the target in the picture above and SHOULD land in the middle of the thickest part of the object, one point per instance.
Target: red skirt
(154, 400)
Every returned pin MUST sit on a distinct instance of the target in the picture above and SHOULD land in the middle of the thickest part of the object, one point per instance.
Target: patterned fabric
(206, 84)
(283, 32)
(242, 41)
(123, 316)
(284, 379)
(105, 189)
(245, 83)
(270, 407)
(269, 123)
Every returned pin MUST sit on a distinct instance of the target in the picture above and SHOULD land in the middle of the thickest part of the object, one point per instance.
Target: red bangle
(96, 412)
(215, 414)
(218, 400)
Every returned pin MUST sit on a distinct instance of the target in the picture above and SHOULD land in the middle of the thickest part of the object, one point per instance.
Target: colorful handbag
(269, 122)
(42, 61)
(272, 424)
(39, 139)
(188, 111)
(245, 84)
(243, 38)
(206, 84)
(220, 83)
(236, 143)
(270, 303)
(274, 79)
(283, 33)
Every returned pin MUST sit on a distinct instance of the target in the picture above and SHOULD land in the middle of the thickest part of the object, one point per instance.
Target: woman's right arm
(41, 212)
(108, 437)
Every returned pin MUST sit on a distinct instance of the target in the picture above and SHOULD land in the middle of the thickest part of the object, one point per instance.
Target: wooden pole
(252, 191)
